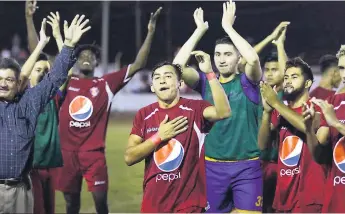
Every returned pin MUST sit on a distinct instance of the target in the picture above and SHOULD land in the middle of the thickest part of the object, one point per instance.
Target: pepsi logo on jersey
(168, 158)
(339, 161)
(290, 154)
(80, 109)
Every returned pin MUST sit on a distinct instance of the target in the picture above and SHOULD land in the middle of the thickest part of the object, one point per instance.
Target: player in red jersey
(300, 181)
(83, 124)
(169, 135)
(330, 77)
(328, 145)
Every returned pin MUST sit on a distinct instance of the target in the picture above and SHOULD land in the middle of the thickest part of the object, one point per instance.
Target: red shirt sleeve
(137, 128)
(117, 79)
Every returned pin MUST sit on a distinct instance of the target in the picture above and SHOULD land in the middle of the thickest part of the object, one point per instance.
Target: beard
(291, 96)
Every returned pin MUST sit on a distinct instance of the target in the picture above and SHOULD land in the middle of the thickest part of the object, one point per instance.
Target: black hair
(327, 61)
(177, 68)
(95, 49)
(272, 57)
(10, 63)
(42, 57)
(226, 40)
(299, 63)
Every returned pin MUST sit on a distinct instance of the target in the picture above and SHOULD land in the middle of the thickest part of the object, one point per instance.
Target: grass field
(125, 183)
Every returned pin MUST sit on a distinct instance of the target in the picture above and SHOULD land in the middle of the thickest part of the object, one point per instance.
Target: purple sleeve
(201, 84)
(250, 89)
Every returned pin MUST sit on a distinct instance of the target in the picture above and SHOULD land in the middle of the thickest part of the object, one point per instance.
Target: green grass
(125, 183)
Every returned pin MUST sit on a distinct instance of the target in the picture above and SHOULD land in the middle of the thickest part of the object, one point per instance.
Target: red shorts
(312, 208)
(43, 190)
(90, 164)
(270, 181)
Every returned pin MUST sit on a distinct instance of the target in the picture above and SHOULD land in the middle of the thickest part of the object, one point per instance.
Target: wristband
(156, 139)
(210, 76)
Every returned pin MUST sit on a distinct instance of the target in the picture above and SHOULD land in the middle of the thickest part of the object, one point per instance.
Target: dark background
(316, 28)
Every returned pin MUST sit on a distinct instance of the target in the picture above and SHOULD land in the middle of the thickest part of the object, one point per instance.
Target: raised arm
(221, 108)
(141, 59)
(30, 62)
(137, 150)
(54, 22)
(252, 68)
(282, 56)
(273, 36)
(189, 75)
(30, 8)
(38, 96)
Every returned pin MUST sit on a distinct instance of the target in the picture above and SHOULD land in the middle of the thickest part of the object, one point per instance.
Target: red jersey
(85, 110)
(321, 93)
(174, 176)
(335, 185)
(300, 179)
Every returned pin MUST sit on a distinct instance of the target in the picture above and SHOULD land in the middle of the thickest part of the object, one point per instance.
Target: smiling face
(87, 62)
(8, 84)
(165, 83)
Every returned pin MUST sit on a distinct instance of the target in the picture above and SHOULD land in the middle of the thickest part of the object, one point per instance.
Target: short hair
(177, 68)
(327, 61)
(226, 40)
(9, 63)
(42, 57)
(95, 49)
(272, 57)
(341, 51)
(299, 63)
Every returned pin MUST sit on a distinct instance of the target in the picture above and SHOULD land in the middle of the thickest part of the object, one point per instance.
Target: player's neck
(227, 78)
(325, 83)
(86, 75)
(279, 87)
(169, 104)
(300, 99)
(342, 90)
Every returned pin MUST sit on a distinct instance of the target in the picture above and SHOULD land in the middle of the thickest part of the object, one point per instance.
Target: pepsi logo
(339, 154)
(80, 108)
(291, 150)
(168, 157)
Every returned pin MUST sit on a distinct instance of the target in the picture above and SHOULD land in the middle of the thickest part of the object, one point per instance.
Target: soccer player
(274, 68)
(330, 135)
(83, 124)
(233, 168)
(300, 182)
(169, 135)
(330, 77)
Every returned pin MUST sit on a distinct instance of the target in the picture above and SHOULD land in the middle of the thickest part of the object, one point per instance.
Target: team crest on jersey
(94, 91)
(291, 150)
(80, 108)
(169, 156)
(339, 154)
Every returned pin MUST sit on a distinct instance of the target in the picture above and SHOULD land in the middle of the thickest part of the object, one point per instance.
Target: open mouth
(86, 63)
(223, 66)
(163, 89)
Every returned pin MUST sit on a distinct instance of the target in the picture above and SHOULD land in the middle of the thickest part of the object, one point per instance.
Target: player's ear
(152, 89)
(308, 83)
(181, 84)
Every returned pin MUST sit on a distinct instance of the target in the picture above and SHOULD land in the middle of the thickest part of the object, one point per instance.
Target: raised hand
(30, 7)
(278, 30)
(153, 20)
(54, 22)
(269, 94)
(265, 105)
(308, 115)
(44, 39)
(229, 10)
(168, 130)
(74, 32)
(327, 110)
(204, 61)
(199, 19)
(281, 38)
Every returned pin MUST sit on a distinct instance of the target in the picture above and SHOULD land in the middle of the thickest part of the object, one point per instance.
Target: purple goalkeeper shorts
(234, 185)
